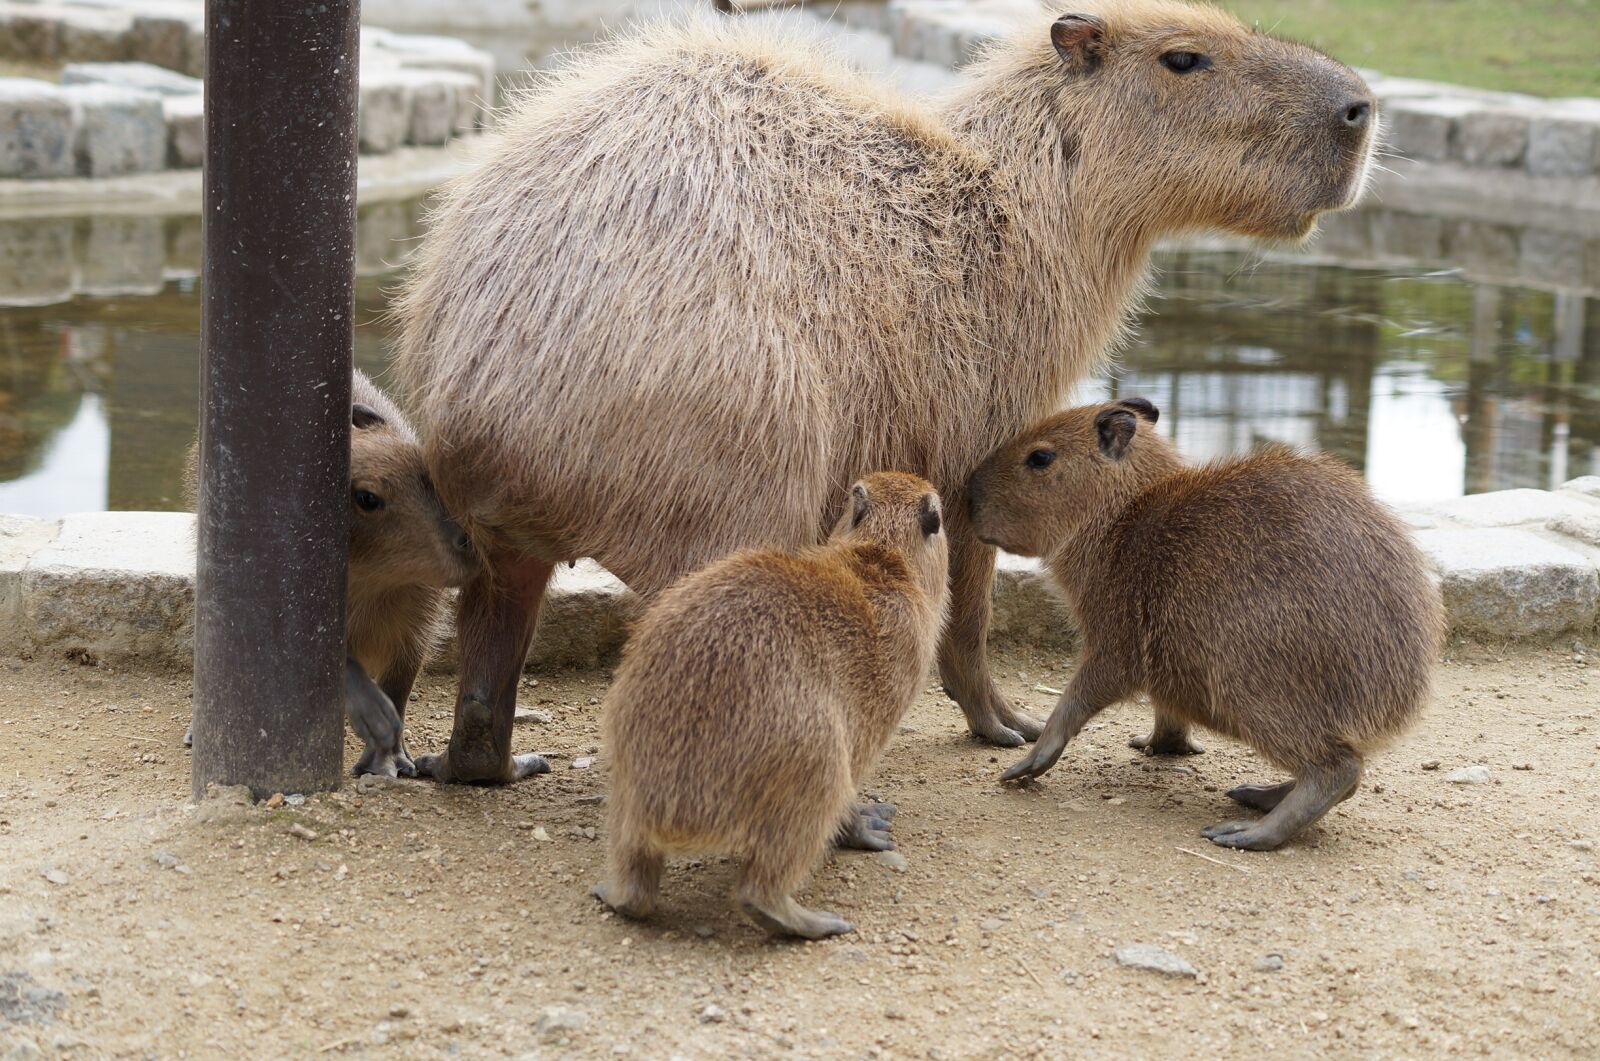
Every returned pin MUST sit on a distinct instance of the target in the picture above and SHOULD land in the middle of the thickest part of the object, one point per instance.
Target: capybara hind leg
(963, 652)
(494, 627)
(1169, 736)
(774, 867)
(1261, 797)
(633, 877)
(1315, 792)
(866, 827)
(785, 917)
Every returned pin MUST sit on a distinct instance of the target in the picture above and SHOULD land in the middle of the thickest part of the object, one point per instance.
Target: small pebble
(1469, 775)
(713, 1014)
(583, 762)
(295, 799)
(302, 832)
(1431, 764)
(1270, 964)
(165, 859)
(894, 860)
(274, 801)
(1581, 845)
(399, 1011)
(1155, 959)
(53, 875)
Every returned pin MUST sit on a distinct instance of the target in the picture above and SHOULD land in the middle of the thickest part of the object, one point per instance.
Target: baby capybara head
(1080, 466)
(1206, 123)
(400, 533)
(903, 512)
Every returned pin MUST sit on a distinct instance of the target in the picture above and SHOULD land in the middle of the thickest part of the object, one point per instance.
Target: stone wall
(119, 586)
(129, 99)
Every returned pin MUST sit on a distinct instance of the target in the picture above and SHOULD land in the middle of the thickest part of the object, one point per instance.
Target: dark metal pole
(278, 281)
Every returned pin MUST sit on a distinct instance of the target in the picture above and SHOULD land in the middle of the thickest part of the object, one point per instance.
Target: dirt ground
(1421, 917)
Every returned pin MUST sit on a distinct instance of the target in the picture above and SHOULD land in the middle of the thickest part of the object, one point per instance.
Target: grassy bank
(1545, 47)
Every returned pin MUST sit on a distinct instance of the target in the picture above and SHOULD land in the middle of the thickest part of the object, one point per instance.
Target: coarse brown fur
(757, 693)
(707, 275)
(1268, 597)
(404, 556)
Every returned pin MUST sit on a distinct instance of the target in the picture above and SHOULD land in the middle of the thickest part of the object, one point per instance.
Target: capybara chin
(1268, 597)
(757, 693)
(405, 552)
(710, 261)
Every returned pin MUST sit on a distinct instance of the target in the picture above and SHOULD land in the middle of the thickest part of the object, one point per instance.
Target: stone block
(35, 130)
(382, 232)
(1493, 137)
(113, 585)
(1027, 609)
(1411, 236)
(1583, 528)
(122, 256)
(1510, 583)
(35, 261)
(385, 112)
(20, 538)
(1561, 146)
(161, 40)
(94, 35)
(433, 110)
(1424, 129)
(1552, 257)
(1510, 508)
(184, 242)
(142, 77)
(119, 131)
(1586, 485)
(30, 36)
(1485, 247)
(1348, 233)
(186, 131)
(589, 610)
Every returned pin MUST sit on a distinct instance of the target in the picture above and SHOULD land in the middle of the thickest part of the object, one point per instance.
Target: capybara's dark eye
(368, 501)
(1041, 458)
(1185, 62)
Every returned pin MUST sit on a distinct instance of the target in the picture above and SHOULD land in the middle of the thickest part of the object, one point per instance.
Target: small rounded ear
(1079, 40)
(930, 515)
(1116, 428)
(1142, 407)
(859, 503)
(366, 416)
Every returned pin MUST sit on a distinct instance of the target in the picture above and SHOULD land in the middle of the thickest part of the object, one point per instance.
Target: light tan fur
(707, 275)
(757, 693)
(1267, 597)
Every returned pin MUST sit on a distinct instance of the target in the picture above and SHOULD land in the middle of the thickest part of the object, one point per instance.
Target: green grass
(1543, 47)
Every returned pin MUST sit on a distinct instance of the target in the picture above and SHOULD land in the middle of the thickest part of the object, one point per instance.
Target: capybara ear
(859, 503)
(1079, 40)
(1116, 428)
(366, 416)
(1143, 407)
(930, 515)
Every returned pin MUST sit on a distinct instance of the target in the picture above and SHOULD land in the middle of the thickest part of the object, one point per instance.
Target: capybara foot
(1166, 742)
(866, 827)
(1302, 802)
(385, 763)
(788, 918)
(474, 756)
(188, 737)
(996, 721)
(625, 901)
(1261, 797)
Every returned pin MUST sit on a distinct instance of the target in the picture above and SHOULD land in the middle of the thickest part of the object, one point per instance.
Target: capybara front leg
(866, 827)
(1313, 794)
(964, 651)
(1096, 686)
(1169, 736)
(494, 627)
(374, 718)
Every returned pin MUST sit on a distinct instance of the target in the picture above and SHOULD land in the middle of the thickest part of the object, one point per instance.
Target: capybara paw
(635, 908)
(433, 767)
(796, 921)
(1248, 836)
(1165, 744)
(527, 765)
(867, 828)
(1260, 797)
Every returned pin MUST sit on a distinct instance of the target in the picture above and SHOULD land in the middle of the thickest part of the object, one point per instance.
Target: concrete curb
(119, 586)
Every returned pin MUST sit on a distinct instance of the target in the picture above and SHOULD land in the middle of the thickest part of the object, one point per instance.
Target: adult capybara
(1268, 597)
(405, 553)
(756, 693)
(707, 276)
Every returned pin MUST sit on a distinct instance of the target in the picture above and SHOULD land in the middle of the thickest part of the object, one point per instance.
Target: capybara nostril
(463, 543)
(1357, 113)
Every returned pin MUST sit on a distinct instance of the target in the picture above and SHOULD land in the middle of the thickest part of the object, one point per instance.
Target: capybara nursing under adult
(708, 275)
(405, 552)
(757, 693)
(1269, 598)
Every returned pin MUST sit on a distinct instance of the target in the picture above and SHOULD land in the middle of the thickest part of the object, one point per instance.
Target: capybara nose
(463, 543)
(1356, 113)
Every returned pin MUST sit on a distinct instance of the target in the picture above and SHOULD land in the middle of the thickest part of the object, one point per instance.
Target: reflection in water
(1430, 385)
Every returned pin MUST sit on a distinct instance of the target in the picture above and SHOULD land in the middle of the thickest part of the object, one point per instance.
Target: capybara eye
(368, 501)
(1041, 458)
(1185, 62)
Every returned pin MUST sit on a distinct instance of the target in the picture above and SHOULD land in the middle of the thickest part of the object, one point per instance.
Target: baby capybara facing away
(1268, 597)
(405, 552)
(756, 694)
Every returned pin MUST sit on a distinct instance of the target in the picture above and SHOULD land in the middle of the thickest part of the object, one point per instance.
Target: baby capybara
(1268, 597)
(405, 552)
(756, 694)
